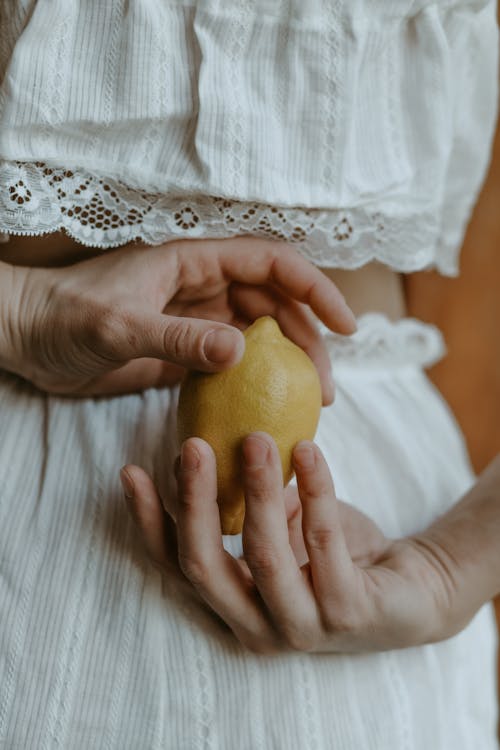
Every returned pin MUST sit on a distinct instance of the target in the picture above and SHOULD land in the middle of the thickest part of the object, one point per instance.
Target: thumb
(189, 342)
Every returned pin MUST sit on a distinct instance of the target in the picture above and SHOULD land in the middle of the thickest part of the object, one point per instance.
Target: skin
(316, 575)
(136, 317)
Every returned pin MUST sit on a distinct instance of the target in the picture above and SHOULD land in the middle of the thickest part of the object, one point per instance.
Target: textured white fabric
(96, 652)
(378, 111)
(357, 129)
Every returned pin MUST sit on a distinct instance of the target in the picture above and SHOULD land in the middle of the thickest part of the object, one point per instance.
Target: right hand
(324, 578)
(136, 317)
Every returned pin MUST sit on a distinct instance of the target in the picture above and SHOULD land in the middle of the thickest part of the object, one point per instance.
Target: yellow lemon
(274, 388)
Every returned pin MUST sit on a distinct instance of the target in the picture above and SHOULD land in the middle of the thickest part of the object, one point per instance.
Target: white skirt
(96, 651)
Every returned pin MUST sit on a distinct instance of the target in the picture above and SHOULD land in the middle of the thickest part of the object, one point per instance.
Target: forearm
(465, 543)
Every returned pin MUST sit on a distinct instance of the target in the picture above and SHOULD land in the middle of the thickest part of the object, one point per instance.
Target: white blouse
(356, 129)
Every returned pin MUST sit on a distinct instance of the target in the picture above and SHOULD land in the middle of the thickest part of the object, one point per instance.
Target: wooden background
(467, 310)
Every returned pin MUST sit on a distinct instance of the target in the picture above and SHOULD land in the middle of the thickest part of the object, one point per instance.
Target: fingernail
(127, 484)
(190, 458)
(255, 452)
(219, 345)
(303, 455)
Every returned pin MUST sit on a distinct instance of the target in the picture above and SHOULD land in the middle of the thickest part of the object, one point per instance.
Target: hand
(334, 584)
(136, 317)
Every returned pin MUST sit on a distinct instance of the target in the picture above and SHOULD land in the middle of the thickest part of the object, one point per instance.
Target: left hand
(138, 317)
(323, 580)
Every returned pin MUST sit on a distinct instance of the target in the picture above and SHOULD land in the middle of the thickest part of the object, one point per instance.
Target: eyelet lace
(38, 199)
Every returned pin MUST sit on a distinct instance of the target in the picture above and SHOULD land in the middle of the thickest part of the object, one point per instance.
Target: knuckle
(258, 484)
(262, 561)
(339, 619)
(186, 498)
(299, 638)
(194, 570)
(319, 539)
(315, 484)
(105, 326)
(177, 340)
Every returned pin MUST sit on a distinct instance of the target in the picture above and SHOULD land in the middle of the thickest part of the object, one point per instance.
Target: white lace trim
(380, 342)
(38, 199)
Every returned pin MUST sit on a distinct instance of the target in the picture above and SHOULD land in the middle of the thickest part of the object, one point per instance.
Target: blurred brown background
(467, 310)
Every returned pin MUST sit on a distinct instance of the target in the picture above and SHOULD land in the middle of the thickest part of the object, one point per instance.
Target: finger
(145, 506)
(215, 574)
(281, 264)
(265, 539)
(295, 322)
(188, 342)
(293, 510)
(330, 563)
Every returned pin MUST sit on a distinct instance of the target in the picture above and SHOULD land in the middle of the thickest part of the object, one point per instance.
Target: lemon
(274, 388)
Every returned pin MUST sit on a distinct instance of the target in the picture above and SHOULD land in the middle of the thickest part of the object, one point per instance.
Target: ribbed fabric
(382, 110)
(379, 116)
(96, 651)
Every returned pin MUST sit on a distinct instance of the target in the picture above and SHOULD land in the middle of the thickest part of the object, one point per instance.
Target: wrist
(445, 601)
(463, 547)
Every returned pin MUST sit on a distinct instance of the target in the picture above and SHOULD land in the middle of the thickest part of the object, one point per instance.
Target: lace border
(39, 199)
(382, 342)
